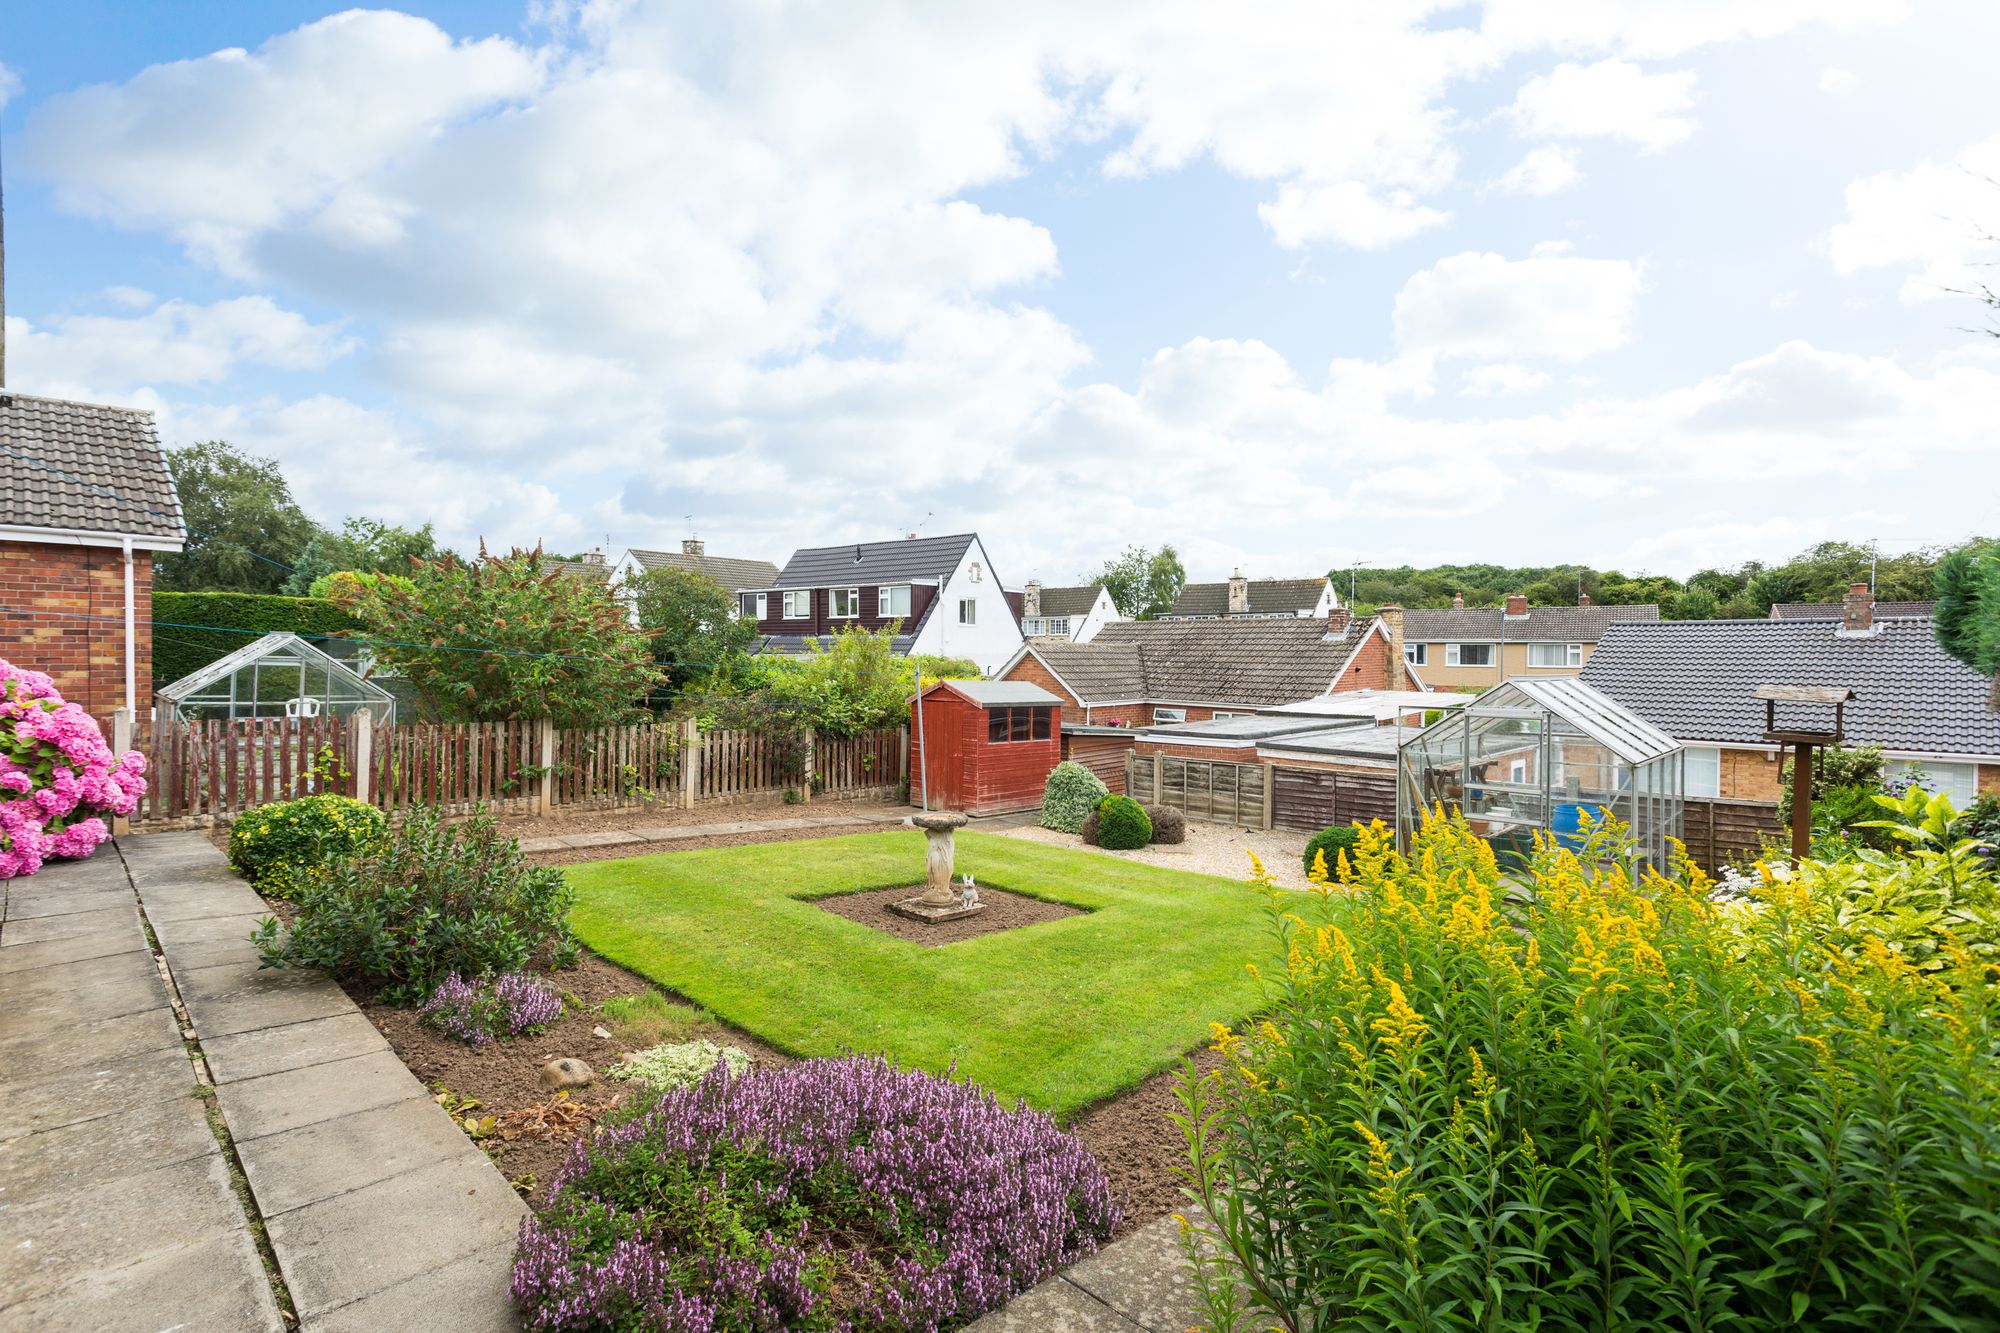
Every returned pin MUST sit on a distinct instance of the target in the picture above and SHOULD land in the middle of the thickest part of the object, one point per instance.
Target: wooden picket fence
(201, 772)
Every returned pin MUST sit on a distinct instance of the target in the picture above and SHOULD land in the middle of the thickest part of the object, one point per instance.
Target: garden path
(1139, 1284)
(683, 832)
(130, 1002)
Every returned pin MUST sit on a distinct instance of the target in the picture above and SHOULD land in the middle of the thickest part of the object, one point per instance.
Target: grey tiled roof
(874, 562)
(1694, 679)
(1070, 601)
(733, 574)
(794, 645)
(1542, 624)
(84, 467)
(1834, 610)
(1255, 663)
(589, 569)
(1268, 597)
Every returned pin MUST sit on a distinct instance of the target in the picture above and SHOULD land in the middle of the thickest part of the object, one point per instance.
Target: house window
(1959, 782)
(1219, 717)
(756, 605)
(1058, 625)
(1169, 715)
(798, 604)
(968, 611)
(1702, 771)
(1043, 626)
(1517, 771)
(1417, 654)
(1004, 726)
(1555, 654)
(1468, 654)
(893, 603)
(843, 603)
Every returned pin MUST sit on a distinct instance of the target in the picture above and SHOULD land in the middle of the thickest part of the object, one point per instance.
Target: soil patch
(1004, 911)
(1139, 1147)
(504, 1078)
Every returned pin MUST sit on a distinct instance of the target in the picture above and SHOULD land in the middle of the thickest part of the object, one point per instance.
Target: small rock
(601, 1034)
(567, 1073)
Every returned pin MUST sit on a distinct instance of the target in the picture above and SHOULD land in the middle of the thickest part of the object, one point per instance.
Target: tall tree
(362, 546)
(1142, 583)
(1968, 610)
(687, 617)
(509, 637)
(245, 531)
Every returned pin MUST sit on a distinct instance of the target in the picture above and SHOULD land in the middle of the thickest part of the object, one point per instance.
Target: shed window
(1468, 654)
(846, 603)
(893, 602)
(1006, 725)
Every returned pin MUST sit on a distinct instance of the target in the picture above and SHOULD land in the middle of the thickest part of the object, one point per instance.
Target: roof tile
(86, 467)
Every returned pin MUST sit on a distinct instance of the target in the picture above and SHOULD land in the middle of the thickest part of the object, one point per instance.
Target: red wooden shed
(983, 746)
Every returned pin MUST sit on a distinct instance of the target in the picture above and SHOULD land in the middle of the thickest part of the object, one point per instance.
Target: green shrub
(1122, 825)
(1330, 843)
(424, 902)
(277, 846)
(1169, 824)
(1073, 791)
(232, 620)
(1596, 1105)
(1089, 829)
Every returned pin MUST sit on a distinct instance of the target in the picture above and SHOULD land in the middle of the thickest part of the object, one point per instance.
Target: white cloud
(1940, 220)
(1612, 99)
(1549, 169)
(1491, 308)
(10, 85)
(1501, 378)
(1836, 82)
(1652, 29)
(175, 342)
(1348, 212)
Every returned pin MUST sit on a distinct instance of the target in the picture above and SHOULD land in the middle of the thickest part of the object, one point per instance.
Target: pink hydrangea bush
(58, 778)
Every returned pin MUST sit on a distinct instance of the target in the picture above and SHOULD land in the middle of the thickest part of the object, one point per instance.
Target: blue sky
(1646, 286)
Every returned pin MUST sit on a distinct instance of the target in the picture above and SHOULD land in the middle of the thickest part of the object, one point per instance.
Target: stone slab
(608, 838)
(530, 846)
(187, 955)
(49, 1244)
(1144, 1277)
(466, 1294)
(74, 949)
(353, 1246)
(113, 922)
(23, 1013)
(295, 1046)
(83, 974)
(79, 1155)
(91, 1091)
(72, 1045)
(278, 1102)
(1055, 1307)
(197, 929)
(334, 1157)
(23, 906)
(217, 1284)
(291, 997)
(233, 898)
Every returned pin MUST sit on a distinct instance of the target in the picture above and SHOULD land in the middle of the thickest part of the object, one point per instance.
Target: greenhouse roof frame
(277, 643)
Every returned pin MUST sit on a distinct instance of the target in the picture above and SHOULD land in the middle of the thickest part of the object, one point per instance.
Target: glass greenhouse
(279, 675)
(1531, 755)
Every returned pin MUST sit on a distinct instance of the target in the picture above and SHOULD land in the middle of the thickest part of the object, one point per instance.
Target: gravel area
(1209, 850)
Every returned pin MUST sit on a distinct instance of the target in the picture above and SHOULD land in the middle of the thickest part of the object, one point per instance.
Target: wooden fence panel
(1718, 832)
(1309, 800)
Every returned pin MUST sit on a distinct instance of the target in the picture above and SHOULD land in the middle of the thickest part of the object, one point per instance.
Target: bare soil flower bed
(1004, 911)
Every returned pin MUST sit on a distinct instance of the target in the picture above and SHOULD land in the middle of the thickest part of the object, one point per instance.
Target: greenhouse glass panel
(276, 676)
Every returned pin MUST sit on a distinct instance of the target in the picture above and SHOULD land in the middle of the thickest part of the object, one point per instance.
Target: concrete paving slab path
(124, 1206)
(1137, 1284)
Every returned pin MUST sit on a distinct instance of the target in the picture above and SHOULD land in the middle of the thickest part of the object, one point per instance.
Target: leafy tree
(362, 546)
(1694, 604)
(686, 616)
(507, 637)
(244, 529)
(1143, 584)
(1968, 611)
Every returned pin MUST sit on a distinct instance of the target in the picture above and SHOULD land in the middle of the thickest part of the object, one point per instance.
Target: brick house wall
(1989, 780)
(66, 616)
(1030, 669)
(1369, 670)
(1751, 775)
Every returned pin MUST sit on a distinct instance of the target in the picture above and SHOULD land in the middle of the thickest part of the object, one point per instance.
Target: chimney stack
(1031, 598)
(1239, 593)
(692, 546)
(1583, 599)
(1857, 610)
(1517, 605)
(1337, 621)
(1458, 601)
(1392, 624)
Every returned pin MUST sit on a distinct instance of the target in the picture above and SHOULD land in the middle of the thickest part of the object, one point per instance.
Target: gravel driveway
(1209, 850)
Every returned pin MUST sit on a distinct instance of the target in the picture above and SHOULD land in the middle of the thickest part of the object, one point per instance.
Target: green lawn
(1062, 1013)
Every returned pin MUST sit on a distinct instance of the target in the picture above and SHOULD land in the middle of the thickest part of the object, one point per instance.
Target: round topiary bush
(1089, 829)
(273, 845)
(1073, 791)
(1169, 824)
(1122, 825)
(1330, 843)
(832, 1193)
